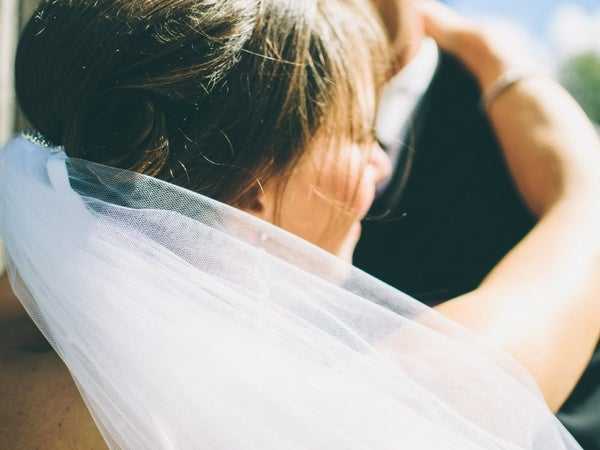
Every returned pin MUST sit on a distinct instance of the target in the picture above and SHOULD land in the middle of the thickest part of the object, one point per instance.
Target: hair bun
(126, 128)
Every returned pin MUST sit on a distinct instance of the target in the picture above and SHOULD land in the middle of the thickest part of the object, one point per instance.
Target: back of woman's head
(213, 95)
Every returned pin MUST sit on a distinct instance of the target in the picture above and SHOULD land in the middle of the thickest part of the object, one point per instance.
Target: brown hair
(213, 95)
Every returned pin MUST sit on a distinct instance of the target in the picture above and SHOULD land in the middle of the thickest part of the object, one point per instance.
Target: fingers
(473, 45)
(445, 25)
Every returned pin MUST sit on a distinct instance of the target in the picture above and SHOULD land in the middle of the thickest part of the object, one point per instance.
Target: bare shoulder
(40, 407)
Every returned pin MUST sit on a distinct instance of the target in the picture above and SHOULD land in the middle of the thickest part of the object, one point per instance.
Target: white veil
(188, 324)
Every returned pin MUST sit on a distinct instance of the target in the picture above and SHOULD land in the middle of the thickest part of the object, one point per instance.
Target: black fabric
(581, 412)
(452, 212)
(459, 212)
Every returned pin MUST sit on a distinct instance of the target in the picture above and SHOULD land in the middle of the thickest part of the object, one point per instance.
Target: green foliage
(580, 75)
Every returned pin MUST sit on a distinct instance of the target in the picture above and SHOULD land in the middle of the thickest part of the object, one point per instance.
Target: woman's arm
(542, 301)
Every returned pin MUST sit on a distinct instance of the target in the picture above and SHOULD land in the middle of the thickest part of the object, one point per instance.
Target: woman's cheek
(354, 182)
(364, 193)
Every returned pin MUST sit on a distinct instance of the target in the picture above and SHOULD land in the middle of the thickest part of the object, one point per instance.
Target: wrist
(483, 59)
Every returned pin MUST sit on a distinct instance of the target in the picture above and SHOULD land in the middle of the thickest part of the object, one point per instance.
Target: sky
(550, 32)
(533, 14)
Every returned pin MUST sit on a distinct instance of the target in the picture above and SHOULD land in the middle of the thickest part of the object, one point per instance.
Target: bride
(181, 226)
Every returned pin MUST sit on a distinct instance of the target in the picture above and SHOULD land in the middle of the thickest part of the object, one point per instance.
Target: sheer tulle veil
(188, 324)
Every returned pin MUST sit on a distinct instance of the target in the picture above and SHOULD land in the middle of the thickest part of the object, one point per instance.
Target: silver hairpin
(38, 138)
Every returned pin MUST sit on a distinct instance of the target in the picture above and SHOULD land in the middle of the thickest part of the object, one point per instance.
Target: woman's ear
(257, 205)
(262, 204)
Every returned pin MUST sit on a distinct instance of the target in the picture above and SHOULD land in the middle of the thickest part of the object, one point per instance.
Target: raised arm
(542, 301)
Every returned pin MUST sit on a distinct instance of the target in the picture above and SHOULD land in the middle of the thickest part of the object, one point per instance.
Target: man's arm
(404, 27)
(389, 11)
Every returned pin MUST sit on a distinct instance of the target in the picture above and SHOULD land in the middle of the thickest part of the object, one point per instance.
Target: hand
(478, 48)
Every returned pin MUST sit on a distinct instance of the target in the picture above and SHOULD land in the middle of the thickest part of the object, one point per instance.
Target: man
(450, 212)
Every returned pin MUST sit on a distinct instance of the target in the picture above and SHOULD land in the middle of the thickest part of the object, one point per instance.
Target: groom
(450, 211)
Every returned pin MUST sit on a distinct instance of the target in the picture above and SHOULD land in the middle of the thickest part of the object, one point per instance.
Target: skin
(328, 194)
(46, 410)
(539, 304)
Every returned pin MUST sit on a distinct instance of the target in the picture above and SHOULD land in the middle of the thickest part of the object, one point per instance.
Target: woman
(268, 107)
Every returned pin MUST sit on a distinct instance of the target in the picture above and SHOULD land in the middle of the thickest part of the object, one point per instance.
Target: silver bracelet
(508, 79)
